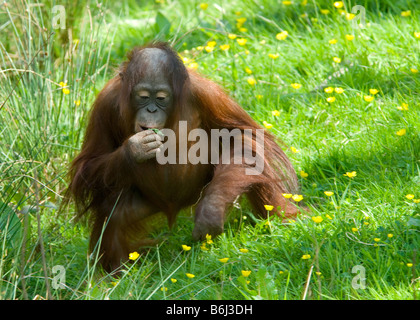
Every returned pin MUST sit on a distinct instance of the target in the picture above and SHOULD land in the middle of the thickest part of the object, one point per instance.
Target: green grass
(42, 128)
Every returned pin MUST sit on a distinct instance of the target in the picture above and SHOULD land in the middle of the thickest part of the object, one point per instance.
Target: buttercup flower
(241, 41)
(251, 81)
(328, 193)
(248, 70)
(330, 99)
(297, 197)
(225, 47)
(232, 36)
(390, 235)
(329, 89)
(303, 174)
(339, 90)
(354, 229)
(275, 113)
(338, 4)
(317, 219)
(409, 265)
(273, 56)
(336, 59)
(349, 37)
(416, 200)
(267, 125)
(282, 35)
(287, 195)
(414, 70)
(350, 174)
(350, 16)
(368, 98)
(186, 248)
(190, 275)
(173, 280)
(325, 11)
(204, 6)
(294, 150)
(332, 41)
(373, 91)
(245, 273)
(224, 260)
(377, 239)
(401, 132)
(306, 256)
(410, 196)
(133, 255)
(296, 85)
(243, 250)
(406, 13)
(417, 35)
(268, 207)
(208, 239)
(404, 106)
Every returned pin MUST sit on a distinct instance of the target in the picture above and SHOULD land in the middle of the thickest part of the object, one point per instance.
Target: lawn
(340, 89)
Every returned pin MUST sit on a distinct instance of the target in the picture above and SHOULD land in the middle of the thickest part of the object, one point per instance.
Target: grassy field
(342, 95)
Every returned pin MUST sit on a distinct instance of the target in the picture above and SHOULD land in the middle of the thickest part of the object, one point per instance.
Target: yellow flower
(190, 275)
(241, 20)
(368, 98)
(409, 265)
(224, 260)
(406, 13)
(416, 200)
(317, 219)
(282, 35)
(336, 59)
(186, 248)
(373, 91)
(248, 70)
(297, 197)
(251, 81)
(350, 174)
(377, 239)
(325, 11)
(204, 6)
(390, 235)
(244, 250)
(245, 273)
(329, 217)
(296, 85)
(203, 247)
(328, 193)
(413, 70)
(350, 16)
(303, 174)
(241, 41)
(318, 273)
(404, 106)
(354, 229)
(209, 48)
(338, 4)
(410, 196)
(417, 35)
(77, 102)
(173, 280)
(243, 29)
(66, 91)
(259, 96)
(339, 90)
(330, 99)
(208, 239)
(267, 125)
(200, 48)
(225, 47)
(306, 256)
(294, 150)
(275, 113)
(332, 41)
(273, 56)
(268, 207)
(232, 36)
(366, 223)
(62, 84)
(349, 37)
(329, 89)
(211, 44)
(401, 132)
(133, 255)
(287, 3)
(287, 195)
(164, 289)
